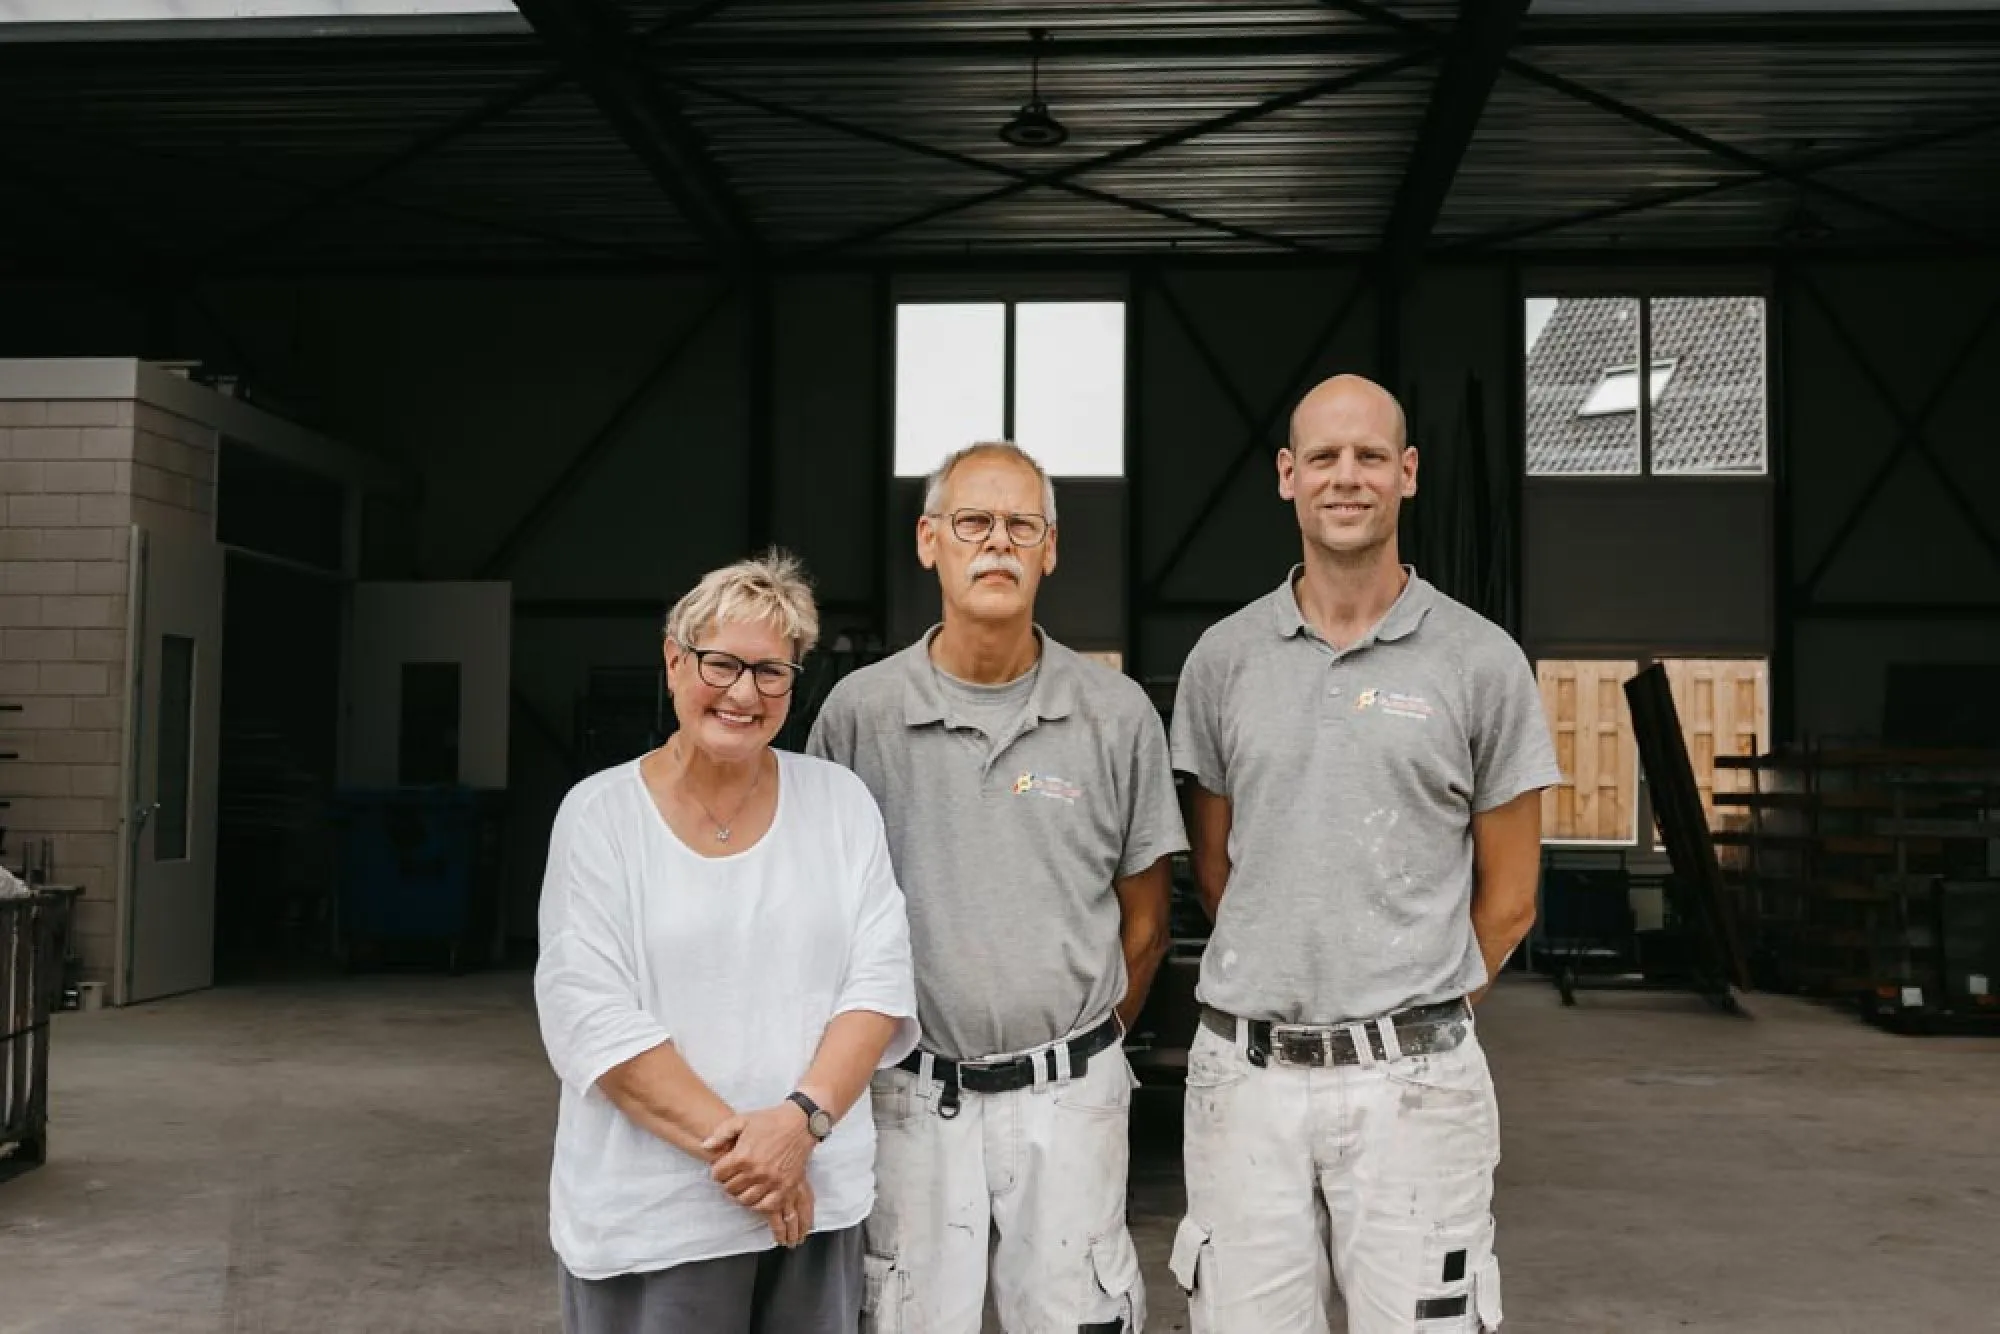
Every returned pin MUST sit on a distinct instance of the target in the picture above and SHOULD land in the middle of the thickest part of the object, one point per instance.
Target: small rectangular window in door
(427, 746)
(175, 751)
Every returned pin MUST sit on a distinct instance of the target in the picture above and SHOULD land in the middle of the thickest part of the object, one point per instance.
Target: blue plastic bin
(410, 868)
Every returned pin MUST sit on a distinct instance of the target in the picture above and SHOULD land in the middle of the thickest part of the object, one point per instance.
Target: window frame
(1010, 291)
(1641, 842)
(1644, 287)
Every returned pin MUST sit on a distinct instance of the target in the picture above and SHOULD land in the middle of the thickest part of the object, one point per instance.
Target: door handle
(143, 813)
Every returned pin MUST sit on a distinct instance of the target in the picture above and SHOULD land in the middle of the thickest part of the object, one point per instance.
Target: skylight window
(1618, 391)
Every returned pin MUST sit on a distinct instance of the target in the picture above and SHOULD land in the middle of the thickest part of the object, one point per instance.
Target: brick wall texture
(74, 477)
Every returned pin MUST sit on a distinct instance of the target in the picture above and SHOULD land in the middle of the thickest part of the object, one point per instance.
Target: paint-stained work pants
(1037, 1173)
(1377, 1176)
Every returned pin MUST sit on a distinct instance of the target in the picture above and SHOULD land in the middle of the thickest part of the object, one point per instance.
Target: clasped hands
(759, 1158)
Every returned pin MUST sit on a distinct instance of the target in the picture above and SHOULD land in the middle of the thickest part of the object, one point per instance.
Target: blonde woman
(724, 964)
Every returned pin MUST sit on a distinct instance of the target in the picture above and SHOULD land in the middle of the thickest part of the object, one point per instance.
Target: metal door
(176, 629)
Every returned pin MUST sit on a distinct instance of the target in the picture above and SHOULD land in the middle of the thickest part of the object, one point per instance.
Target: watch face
(820, 1124)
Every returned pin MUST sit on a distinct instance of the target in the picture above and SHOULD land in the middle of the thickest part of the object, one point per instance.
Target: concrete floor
(370, 1157)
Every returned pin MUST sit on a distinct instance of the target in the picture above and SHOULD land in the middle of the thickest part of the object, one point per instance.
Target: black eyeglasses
(1023, 530)
(774, 679)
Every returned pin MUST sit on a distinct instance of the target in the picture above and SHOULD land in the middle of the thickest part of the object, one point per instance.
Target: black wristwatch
(818, 1124)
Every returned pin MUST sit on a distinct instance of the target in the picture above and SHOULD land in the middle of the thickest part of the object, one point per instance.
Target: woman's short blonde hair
(771, 588)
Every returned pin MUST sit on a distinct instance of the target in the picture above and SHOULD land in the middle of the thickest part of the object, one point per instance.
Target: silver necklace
(722, 826)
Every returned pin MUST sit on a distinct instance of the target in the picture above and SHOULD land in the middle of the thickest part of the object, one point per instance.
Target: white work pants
(1377, 1176)
(1037, 1175)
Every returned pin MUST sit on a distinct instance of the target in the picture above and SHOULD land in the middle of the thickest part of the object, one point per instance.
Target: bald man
(1365, 757)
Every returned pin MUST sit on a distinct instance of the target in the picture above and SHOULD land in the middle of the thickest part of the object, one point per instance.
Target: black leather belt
(1420, 1030)
(1007, 1073)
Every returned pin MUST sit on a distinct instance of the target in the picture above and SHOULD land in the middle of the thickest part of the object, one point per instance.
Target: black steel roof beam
(1817, 31)
(424, 145)
(1654, 199)
(1255, 439)
(234, 168)
(157, 277)
(593, 42)
(1130, 152)
(1739, 157)
(1479, 43)
(265, 234)
(1661, 125)
(593, 451)
(843, 49)
(1911, 431)
(836, 125)
(1864, 31)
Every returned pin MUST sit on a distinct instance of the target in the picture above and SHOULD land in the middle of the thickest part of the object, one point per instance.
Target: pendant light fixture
(1033, 126)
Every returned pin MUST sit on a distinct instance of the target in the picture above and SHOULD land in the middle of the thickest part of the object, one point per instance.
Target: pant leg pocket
(893, 1098)
(1119, 1293)
(1190, 1240)
(1104, 1087)
(1460, 1291)
(1486, 1294)
(884, 1296)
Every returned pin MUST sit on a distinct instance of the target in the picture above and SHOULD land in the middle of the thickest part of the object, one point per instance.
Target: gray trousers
(815, 1288)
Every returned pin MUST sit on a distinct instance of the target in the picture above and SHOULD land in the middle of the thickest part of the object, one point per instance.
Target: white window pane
(951, 380)
(1540, 309)
(1069, 386)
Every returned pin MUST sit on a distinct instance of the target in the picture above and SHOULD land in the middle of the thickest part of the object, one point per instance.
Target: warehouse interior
(411, 356)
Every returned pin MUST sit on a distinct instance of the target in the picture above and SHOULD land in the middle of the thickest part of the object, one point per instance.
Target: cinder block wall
(75, 476)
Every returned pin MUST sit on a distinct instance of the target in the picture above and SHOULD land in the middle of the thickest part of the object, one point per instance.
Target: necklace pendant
(721, 834)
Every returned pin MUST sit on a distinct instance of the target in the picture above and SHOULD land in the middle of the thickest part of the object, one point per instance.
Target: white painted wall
(394, 623)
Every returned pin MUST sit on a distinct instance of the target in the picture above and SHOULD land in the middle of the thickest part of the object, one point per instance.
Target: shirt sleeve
(1197, 741)
(880, 974)
(1153, 827)
(1512, 751)
(832, 734)
(586, 984)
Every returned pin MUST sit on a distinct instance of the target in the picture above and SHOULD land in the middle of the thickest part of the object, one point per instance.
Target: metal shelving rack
(1873, 874)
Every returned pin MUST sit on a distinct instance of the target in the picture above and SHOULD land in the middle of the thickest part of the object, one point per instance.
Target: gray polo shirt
(1353, 776)
(1007, 849)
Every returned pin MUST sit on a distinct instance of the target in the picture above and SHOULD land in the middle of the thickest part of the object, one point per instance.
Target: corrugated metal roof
(1786, 102)
(208, 147)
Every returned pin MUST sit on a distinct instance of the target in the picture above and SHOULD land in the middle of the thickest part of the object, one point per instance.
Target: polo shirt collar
(1399, 622)
(1053, 694)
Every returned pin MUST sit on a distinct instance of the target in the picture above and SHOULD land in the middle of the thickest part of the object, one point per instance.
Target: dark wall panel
(1915, 539)
(828, 417)
(491, 387)
(1261, 330)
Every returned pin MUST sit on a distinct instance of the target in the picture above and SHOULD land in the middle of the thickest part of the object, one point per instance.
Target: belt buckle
(1290, 1038)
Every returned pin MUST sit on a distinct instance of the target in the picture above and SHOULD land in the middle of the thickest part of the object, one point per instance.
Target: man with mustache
(1366, 758)
(1031, 816)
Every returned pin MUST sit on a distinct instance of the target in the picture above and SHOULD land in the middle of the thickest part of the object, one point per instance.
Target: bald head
(1347, 469)
(1349, 404)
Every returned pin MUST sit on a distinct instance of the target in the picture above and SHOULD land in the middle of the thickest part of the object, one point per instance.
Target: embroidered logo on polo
(1394, 703)
(1047, 785)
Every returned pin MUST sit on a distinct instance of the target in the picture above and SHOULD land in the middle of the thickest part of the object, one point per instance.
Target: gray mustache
(989, 562)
